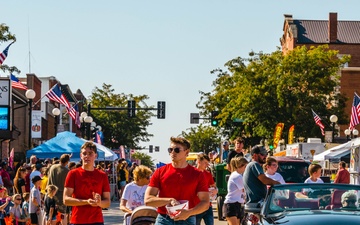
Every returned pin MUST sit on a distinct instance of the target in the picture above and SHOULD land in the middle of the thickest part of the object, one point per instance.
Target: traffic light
(214, 120)
(161, 110)
(151, 149)
(131, 108)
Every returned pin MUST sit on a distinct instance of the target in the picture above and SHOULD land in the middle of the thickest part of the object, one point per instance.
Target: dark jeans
(208, 217)
(166, 220)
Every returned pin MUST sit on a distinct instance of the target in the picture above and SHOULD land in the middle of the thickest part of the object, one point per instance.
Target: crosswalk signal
(161, 110)
(214, 120)
(131, 108)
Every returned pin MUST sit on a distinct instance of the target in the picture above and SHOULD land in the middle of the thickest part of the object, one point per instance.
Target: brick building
(343, 36)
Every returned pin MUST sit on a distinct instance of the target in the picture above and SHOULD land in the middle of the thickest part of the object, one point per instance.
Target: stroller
(142, 215)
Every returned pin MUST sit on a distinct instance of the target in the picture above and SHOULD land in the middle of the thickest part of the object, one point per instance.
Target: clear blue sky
(164, 49)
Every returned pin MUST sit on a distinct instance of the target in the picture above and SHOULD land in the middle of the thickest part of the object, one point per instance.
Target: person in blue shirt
(225, 151)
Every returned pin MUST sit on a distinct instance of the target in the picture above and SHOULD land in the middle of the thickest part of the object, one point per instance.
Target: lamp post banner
(291, 134)
(36, 123)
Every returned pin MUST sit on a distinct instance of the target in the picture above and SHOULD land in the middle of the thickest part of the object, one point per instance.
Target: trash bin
(221, 184)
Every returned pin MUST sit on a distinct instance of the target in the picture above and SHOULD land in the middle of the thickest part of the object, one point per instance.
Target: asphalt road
(114, 216)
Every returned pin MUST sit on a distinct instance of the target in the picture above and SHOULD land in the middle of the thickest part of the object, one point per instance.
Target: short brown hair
(239, 139)
(89, 144)
(181, 141)
(64, 158)
(313, 168)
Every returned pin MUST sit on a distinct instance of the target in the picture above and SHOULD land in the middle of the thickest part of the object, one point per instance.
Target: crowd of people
(58, 191)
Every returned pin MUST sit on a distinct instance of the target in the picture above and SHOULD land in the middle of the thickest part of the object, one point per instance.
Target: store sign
(5, 99)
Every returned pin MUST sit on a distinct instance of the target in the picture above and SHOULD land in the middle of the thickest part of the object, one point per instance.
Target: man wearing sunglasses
(255, 180)
(178, 181)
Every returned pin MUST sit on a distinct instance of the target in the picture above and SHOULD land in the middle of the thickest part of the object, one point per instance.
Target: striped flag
(15, 83)
(318, 122)
(4, 54)
(74, 113)
(56, 95)
(355, 112)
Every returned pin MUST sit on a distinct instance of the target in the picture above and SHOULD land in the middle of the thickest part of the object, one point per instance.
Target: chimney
(332, 27)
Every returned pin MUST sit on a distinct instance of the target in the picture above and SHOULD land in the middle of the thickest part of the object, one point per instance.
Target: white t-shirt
(277, 177)
(309, 181)
(134, 195)
(235, 187)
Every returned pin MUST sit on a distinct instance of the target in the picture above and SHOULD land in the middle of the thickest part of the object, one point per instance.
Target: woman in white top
(270, 168)
(235, 197)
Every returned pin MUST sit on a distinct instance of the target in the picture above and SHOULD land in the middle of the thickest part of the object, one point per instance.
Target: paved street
(114, 216)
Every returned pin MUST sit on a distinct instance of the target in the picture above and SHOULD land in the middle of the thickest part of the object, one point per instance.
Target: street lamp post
(56, 113)
(333, 120)
(30, 95)
(347, 132)
(355, 133)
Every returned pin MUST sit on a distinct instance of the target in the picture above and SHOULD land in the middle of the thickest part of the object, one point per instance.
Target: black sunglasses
(176, 150)
(350, 201)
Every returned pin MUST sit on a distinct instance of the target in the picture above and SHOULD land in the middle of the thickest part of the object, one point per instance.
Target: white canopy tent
(334, 154)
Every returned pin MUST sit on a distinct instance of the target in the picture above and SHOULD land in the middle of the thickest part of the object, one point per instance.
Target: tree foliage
(117, 127)
(146, 160)
(6, 36)
(266, 89)
(202, 138)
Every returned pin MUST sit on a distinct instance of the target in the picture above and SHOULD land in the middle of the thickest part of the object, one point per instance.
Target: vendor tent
(68, 143)
(334, 154)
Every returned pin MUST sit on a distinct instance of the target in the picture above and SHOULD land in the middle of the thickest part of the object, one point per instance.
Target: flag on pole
(355, 112)
(318, 122)
(4, 54)
(11, 158)
(56, 95)
(74, 113)
(15, 83)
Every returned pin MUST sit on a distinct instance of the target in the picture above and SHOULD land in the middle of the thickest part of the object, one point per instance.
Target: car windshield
(293, 172)
(305, 197)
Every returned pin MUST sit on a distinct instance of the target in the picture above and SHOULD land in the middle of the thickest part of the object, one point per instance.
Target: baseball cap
(35, 179)
(225, 143)
(258, 149)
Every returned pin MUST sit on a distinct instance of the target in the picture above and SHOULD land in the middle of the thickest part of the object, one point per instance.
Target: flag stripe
(4, 54)
(318, 122)
(15, 83)
(355, 112)
(56, 95)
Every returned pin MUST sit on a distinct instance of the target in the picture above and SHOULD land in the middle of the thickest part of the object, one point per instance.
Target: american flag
(15, 83)
(4, 54)
(56, 95)
(74, 113)
(318, 122)
(355, 112)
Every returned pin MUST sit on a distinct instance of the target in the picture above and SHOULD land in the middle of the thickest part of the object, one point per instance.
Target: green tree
(117, 127)
(202, 138)
(6, 36)
(146, 160)
(266, 89)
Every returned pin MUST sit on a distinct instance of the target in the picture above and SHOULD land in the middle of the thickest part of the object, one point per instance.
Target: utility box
(220, 177)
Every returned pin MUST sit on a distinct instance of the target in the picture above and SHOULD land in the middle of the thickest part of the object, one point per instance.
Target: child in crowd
(235, 198)
(25, 204)
(4, 203)
(315, 173)
(35, 200)
(270, 167)
(50, 206)
(17, 214)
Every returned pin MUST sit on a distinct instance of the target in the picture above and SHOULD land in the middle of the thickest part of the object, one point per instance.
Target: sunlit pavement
(115, 216)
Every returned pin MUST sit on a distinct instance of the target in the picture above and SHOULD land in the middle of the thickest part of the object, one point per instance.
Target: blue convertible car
(291, 204)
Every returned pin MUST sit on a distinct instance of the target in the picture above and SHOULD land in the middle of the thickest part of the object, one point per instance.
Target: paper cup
(172, 210)
(212, 197)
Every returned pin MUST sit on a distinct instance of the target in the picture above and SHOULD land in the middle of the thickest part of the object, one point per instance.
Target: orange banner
(291, 134)
(277, 134)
